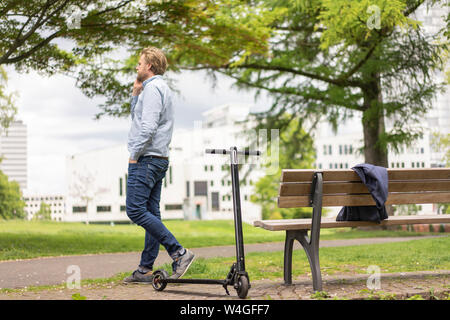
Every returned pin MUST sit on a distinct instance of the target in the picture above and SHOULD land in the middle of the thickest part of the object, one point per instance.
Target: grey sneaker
(139, 277)
(182, 264)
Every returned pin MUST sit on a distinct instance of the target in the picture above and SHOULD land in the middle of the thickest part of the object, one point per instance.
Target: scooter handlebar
(225, 151)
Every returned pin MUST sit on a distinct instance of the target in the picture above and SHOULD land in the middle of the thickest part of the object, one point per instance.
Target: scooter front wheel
(158, 282)
(242, 287)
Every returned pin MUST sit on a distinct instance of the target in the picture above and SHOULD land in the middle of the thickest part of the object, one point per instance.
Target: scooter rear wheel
(242, 287)
(158, 276)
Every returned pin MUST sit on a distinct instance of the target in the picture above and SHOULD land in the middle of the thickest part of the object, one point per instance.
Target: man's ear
(149, 67)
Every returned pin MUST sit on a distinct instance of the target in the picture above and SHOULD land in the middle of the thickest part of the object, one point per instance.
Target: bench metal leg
(310, 245)
(288, 247)
(312, 252)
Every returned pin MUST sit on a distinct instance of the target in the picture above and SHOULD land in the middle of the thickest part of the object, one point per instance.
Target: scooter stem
(240, 262)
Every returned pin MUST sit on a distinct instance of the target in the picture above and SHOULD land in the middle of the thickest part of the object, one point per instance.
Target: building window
(103, 208)
(350, 149)
(324, 149)
(188, 191)
(340, 149)
(169, 207)
(330, 150)
(200, 188)
(170, 174)
(123, 208)
(215, 201)
(120, 187)
(79, 209)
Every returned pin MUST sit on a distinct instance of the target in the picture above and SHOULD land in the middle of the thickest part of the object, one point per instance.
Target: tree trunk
(373, 125)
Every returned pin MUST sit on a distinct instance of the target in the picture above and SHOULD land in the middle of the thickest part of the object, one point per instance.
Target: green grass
(415, 255)
(31, 239)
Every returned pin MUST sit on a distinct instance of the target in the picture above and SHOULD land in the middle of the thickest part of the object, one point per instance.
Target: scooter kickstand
(226, 289)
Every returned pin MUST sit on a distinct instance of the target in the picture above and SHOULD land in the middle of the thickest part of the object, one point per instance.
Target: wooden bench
(318, 188)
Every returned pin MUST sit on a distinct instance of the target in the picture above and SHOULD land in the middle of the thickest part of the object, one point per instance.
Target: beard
(140, 77)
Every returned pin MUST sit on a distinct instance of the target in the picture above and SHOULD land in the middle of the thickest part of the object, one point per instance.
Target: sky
(60, 119)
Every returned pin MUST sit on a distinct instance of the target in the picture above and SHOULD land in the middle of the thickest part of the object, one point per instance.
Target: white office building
(56, 203)
(13, 151)
(197, 185)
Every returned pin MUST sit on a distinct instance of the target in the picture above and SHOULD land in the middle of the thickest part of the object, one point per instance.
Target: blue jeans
(143, 197)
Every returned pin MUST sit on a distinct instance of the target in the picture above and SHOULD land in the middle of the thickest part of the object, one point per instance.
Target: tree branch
(337, 82)
(408, 11)
(293, 91)
(32, 50)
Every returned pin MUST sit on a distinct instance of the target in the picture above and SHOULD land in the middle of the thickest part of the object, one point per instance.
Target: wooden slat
(295, 189)
(302, 224)
(365, 199)
(306, 175)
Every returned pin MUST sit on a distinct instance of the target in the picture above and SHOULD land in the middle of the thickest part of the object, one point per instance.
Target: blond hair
(156, 58)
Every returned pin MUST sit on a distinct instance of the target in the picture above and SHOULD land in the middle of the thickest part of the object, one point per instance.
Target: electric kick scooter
(237, 277)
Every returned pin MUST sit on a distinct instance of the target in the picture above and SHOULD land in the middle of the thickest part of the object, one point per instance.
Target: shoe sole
(193, 258)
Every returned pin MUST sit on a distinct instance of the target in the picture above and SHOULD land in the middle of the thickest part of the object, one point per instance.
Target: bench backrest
(343, 187)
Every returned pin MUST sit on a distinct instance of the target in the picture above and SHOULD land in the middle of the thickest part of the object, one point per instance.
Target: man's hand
(132, 161)
(137, 87)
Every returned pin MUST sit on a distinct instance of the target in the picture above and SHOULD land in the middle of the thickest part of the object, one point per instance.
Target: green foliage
(347, 21)
(406, 209)
(441, 143)
(416, 297)
(329, 60)
(11, 203)
(44, 213)
(78, 296)
(97, 42)
(8, 109)
(296, 150)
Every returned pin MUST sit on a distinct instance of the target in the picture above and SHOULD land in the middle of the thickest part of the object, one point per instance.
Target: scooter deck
(196, 281)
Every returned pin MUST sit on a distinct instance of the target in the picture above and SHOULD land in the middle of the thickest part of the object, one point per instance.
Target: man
(148, 144)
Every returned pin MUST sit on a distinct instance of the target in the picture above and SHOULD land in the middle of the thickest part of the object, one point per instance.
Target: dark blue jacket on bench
(376, 180)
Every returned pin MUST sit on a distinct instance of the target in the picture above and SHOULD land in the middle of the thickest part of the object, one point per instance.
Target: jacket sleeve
(152, 107)
(133, 102)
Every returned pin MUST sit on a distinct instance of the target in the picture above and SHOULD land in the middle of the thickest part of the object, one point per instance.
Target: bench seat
(305, 224)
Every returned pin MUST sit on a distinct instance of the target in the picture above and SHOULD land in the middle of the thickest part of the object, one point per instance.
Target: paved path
(56, 270)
